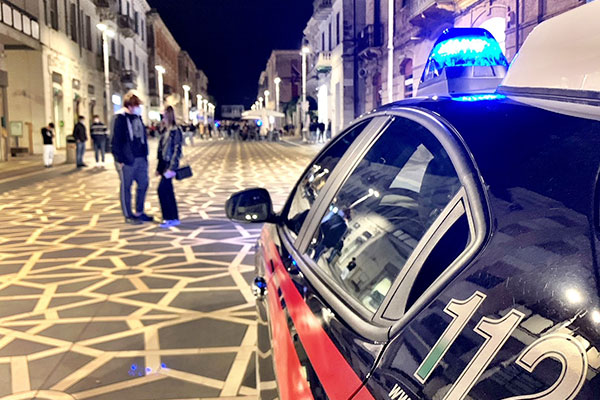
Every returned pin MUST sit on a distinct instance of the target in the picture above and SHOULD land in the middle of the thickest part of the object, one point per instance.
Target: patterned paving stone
(91, 308)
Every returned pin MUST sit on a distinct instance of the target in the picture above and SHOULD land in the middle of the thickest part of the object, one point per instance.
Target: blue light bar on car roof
(479, 97)
(463, 61)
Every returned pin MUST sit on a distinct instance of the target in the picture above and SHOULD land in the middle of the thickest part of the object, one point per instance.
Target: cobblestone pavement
(91, 308)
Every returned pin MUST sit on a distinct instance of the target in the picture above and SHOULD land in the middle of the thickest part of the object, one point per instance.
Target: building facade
(163, 54)
(350, 46)
(285, 65)
(53, 60)
(21, 76)
(329, 35)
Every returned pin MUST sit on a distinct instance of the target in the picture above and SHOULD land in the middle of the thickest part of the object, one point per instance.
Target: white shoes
(169, 223)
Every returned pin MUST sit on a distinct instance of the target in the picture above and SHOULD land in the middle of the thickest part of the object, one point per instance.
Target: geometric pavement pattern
(91, 308)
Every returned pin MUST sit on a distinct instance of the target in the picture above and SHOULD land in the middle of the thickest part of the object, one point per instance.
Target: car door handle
(259, 288)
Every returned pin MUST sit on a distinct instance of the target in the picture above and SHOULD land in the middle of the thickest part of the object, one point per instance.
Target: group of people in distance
(129, 145)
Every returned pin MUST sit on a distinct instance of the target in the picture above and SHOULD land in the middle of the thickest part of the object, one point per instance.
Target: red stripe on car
(292, 384)
(337, 376)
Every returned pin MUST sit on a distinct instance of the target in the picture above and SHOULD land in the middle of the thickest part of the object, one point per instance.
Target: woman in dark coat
(169, 154)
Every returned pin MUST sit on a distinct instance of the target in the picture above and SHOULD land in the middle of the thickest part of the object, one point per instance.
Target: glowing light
(596, 316)
(479, 97)
(163, 366)
(187, 88)
(305, 50)
(248, 217)
(573, 296)
(259, 122)
(277, 80)
(116, 99)
(254, 217)
(160, 69)
(463, 47)
(102, 27)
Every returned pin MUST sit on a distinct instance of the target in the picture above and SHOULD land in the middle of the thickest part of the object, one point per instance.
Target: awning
(262, 114)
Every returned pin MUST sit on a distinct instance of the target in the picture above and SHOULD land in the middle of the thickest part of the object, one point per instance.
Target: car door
(513, 316)
(283, 367)
(337, 278)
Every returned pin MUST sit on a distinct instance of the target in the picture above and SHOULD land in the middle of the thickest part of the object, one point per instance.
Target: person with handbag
(169, 155)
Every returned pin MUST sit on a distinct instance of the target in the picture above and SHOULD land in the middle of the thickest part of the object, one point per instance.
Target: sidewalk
(25, 170)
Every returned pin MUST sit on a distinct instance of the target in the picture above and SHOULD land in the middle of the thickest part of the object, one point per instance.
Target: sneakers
(133, 221)
(169, 223)
(144, 217)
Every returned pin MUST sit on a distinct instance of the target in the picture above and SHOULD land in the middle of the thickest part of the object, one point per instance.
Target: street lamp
(186, 103)
(205, 111)
(305, 52)
(107, 33)
(198, 103)
(161, 88)
(260, 103)
(267, 94)
(277, 83)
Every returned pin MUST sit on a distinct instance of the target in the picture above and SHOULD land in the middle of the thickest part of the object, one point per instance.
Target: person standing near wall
(99, 135)
(80, 135)
(48, 138)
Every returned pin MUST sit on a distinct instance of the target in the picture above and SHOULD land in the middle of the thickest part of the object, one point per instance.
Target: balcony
(324, 62)
(369, 41)
(322, 9)
(107, 9)
(129, 79)
(425, 12)
(126, 26)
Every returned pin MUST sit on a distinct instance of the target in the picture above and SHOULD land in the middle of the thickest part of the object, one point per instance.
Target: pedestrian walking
(321, 133)
(48, 138)
(80, 135)
(130, 151)
(169, 154)
(99, 134)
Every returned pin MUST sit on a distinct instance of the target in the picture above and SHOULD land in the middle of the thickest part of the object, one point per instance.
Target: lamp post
(277, 83)
(267, 94)
(390, 48)
(186, 103)
(303, 108)
(205, 111)
(260, 103)
(106, 34)
(161, 87)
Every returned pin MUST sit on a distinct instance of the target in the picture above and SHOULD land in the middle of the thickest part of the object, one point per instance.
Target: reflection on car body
(449, 252)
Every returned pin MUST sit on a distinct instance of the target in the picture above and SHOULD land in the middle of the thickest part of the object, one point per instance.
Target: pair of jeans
(99, 146)
(166, 196)
(138, 173)
(80, 153)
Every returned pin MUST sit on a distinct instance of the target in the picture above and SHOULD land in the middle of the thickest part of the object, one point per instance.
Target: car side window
(383, 210)
(309, 186)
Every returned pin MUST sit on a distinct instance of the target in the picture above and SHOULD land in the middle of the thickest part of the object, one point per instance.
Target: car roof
(517, 145)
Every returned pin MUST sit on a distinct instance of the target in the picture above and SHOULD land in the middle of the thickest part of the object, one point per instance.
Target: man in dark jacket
(99, 134)
(80, 135)
(130, 150)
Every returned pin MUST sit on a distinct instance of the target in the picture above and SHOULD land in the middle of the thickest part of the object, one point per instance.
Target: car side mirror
(251, 205)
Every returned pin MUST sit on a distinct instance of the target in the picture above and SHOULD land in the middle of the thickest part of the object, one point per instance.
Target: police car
(446, 247)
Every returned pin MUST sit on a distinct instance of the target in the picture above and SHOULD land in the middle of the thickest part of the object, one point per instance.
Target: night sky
(231, 40)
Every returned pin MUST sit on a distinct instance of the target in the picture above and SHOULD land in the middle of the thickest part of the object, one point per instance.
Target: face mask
(137, 110)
